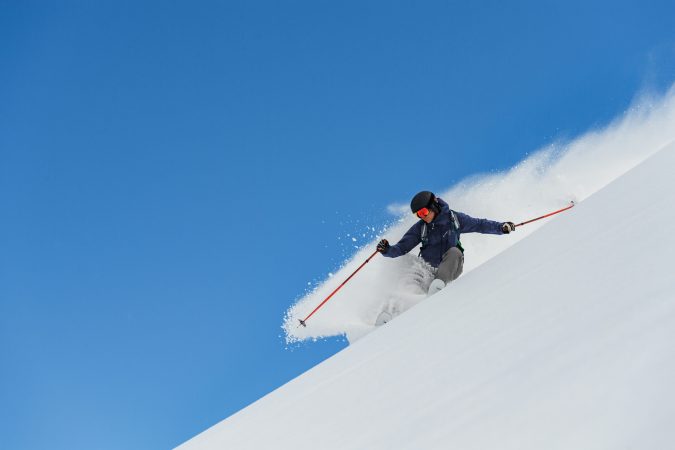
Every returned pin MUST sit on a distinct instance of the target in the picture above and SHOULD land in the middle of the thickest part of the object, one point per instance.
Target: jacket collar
(444, 215)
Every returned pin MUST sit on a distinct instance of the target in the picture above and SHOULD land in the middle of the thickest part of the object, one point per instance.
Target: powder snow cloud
(549, 179)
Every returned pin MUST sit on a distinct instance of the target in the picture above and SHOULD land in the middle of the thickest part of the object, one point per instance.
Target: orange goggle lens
(422, 213)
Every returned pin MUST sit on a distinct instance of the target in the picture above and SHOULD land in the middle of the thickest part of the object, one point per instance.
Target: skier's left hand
(508, 227)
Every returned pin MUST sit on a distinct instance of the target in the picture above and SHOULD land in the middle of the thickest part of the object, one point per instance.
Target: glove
(383, 246)
(508, 227)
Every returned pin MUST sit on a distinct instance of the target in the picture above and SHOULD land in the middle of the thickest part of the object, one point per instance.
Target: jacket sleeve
(409, 241)
(468, 224)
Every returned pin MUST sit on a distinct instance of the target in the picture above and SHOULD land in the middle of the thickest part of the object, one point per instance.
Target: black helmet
(424, 199)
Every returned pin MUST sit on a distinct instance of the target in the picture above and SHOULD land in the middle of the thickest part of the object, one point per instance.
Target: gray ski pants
(451, 265)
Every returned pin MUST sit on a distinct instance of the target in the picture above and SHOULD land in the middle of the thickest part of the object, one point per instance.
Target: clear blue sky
(173, 174)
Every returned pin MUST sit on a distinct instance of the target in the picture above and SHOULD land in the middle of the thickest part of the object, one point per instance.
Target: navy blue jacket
(441, 234)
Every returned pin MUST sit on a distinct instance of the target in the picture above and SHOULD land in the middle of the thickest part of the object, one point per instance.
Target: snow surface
(563, 341)
(546, 181)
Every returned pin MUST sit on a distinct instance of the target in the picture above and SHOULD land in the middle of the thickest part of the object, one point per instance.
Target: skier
(438, 230)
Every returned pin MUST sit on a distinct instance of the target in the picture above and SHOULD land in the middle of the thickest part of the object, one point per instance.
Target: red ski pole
(547, 215)
(302, 321)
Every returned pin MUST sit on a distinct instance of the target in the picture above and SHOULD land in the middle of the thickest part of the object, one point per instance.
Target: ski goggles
(422, 213)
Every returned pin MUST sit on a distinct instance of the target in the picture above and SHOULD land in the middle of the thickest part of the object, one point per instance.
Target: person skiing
(439, 230)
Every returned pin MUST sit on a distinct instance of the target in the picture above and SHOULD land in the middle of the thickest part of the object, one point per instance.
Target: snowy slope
(545, 181)
(563, 341)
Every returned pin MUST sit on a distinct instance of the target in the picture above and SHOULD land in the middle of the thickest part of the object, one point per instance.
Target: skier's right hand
(383, 246)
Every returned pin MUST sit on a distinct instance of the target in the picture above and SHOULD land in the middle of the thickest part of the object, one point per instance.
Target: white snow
(563, 341)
